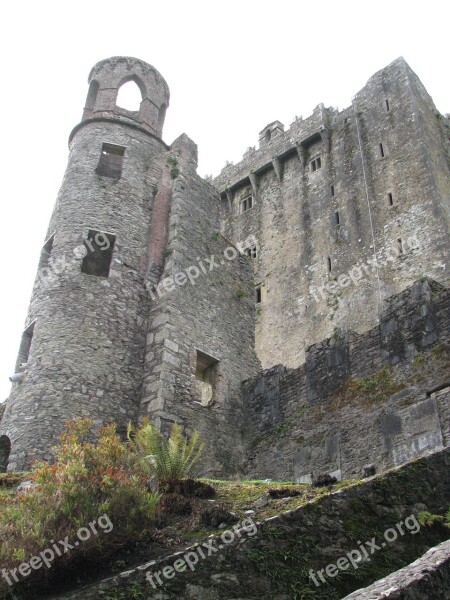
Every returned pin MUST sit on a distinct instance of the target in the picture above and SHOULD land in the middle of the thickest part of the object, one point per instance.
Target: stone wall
(337, 240)
(278, 559)
(376, 399)
(210, 310)
(426, 577)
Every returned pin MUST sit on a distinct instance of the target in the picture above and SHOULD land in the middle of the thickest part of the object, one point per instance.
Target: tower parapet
(108, 76)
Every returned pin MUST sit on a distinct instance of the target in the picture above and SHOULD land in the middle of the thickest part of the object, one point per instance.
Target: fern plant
(169, 459)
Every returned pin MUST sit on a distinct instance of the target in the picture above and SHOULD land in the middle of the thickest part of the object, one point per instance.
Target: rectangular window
(205, 372)
(246, 203)
(387, 105)
(390, 199)
(25, 346)
(381, 150)
(111, 161)
(329, 264)
(45, 253)
(332, 190)
(337, 219)
(258, 294)
(316, 163)
(99, 249)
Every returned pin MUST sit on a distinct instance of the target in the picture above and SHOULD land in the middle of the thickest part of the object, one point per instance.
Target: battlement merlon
(275, 144)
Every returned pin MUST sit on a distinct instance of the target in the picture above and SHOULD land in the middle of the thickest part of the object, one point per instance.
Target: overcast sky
(232, 67)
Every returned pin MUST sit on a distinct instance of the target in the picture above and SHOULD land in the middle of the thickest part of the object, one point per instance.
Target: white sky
(232, 67)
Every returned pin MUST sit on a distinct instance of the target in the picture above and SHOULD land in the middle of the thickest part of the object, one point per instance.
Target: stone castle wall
(332, 247)
(376, 399)
(348, 208)
(211, 311)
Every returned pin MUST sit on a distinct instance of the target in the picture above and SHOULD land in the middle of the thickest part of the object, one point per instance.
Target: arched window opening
(5, 449)
(92, 95)
(129, 96)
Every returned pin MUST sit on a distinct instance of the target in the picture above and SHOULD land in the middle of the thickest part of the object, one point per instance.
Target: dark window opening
(99, 249)
(332, 190)
(25, 346)
(400, 245)
(390, 199)
(111, 161)
(205, 371)
(387, 106)
(381, 149)
(252, 251)
(246, 203)
(5, 449)
(329, 264)
(316, 163)
(337, 218)
(258, 294)
(268, 135)
(46, 252)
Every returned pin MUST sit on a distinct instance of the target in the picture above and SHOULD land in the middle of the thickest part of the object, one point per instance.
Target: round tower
(83, 346)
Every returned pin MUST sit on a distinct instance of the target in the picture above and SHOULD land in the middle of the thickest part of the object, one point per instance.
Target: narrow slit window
(332, 190)
(258, 294)
(387, 105)
(381, 150)
(337, 218)
(25, 346)
(399, 245)
(329, 264)
(99, 249)
(111, 161)
(46, 253)
(390, 199)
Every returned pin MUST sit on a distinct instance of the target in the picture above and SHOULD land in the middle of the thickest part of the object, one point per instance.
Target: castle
(245, 306)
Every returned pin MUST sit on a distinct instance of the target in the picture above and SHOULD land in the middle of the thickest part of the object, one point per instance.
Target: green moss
(376, 388)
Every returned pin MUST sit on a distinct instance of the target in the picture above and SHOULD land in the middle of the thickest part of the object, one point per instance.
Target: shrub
(86, 481)
(171, 458)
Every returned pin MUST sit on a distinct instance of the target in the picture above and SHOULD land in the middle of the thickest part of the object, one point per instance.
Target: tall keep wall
(342, 212)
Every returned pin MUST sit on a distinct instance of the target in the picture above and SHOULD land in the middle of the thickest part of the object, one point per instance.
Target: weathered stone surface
(338, 417)
(345, 209)
(427, 577)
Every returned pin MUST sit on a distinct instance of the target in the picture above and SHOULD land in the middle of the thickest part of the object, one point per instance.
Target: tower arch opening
(5, 449)
(129, 96)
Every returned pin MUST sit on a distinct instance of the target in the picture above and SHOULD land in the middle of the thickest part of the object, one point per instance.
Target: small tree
(170, 459)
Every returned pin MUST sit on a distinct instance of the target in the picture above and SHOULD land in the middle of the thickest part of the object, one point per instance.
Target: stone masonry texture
(294, 310)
